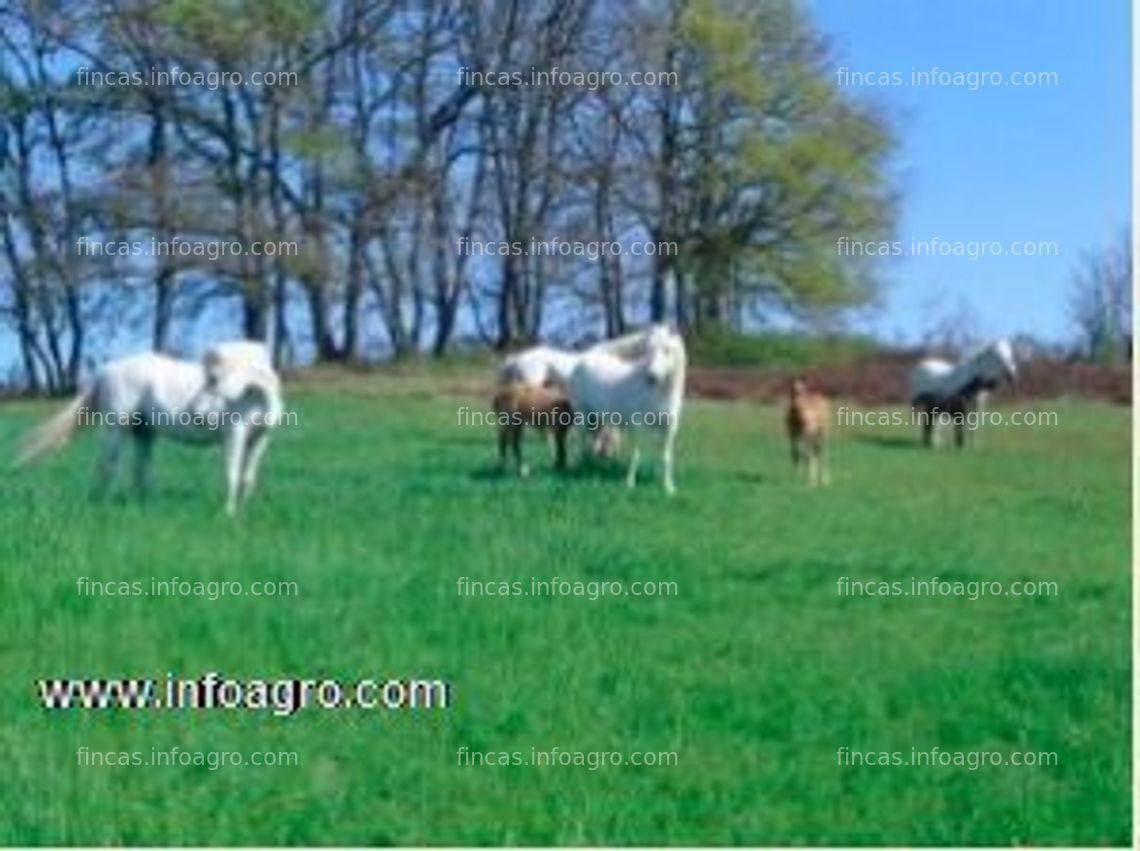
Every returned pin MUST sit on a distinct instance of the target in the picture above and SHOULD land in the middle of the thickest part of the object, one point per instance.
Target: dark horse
(942, 391)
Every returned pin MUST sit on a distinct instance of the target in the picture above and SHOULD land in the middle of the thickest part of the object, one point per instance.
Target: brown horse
(808, 412)
(518, 405)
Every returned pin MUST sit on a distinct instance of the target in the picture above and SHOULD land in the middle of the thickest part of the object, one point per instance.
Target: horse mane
(628, 346)
(969, 382)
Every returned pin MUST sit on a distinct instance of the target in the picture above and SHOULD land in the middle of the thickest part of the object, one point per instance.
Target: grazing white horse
(938, 386)
(233, 397)
(540, 365)
(537, 366)
(642, 394)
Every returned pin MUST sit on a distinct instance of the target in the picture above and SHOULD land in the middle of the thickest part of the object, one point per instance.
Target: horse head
(235, 371)
(994, 364)
(665, 355)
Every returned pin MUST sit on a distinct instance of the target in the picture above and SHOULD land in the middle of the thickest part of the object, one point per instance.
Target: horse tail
(56, 432)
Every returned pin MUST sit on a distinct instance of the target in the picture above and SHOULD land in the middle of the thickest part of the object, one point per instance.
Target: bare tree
(380, 155)
(1101, 301)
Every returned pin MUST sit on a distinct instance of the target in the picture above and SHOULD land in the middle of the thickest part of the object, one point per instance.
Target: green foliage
(230, 31)
(755, 673)
(782, 162)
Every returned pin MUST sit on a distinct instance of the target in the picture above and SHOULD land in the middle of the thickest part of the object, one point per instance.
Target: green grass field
(755, 673)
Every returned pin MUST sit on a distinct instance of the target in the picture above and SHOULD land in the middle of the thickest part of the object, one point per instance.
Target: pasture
(754, 673)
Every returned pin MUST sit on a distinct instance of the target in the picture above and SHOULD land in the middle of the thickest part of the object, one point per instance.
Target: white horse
(938, 386)
(541, 365)
(233, 397)
(643, 394)
(537, 366)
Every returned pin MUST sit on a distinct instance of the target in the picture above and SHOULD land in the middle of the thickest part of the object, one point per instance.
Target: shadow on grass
(465, 438)
(890, 441)
(543, 468)
(750, 478)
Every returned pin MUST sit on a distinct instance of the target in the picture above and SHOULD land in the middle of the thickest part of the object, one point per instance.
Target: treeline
(395, 136)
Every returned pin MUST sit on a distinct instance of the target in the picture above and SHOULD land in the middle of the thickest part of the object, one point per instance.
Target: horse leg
(504, 445)
(825, 472)
(108, 462)
(516, 444)
(235, 445)
(926, 412)
(606, 442)
(958, 410)
(144, 452)
(258, 442)
(613, 440)
(560, 447)
(667, 461)
(553, 442)
(634, 458)
(817, 472)
(586, 448)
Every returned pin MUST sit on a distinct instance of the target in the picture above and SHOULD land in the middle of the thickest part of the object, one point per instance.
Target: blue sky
(997, 164)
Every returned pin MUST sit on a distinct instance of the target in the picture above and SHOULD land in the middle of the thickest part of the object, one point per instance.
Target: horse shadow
(890, 441)
(543, 468)
(605, 469)
(490, 473)
(751, 478)
(493, 471)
